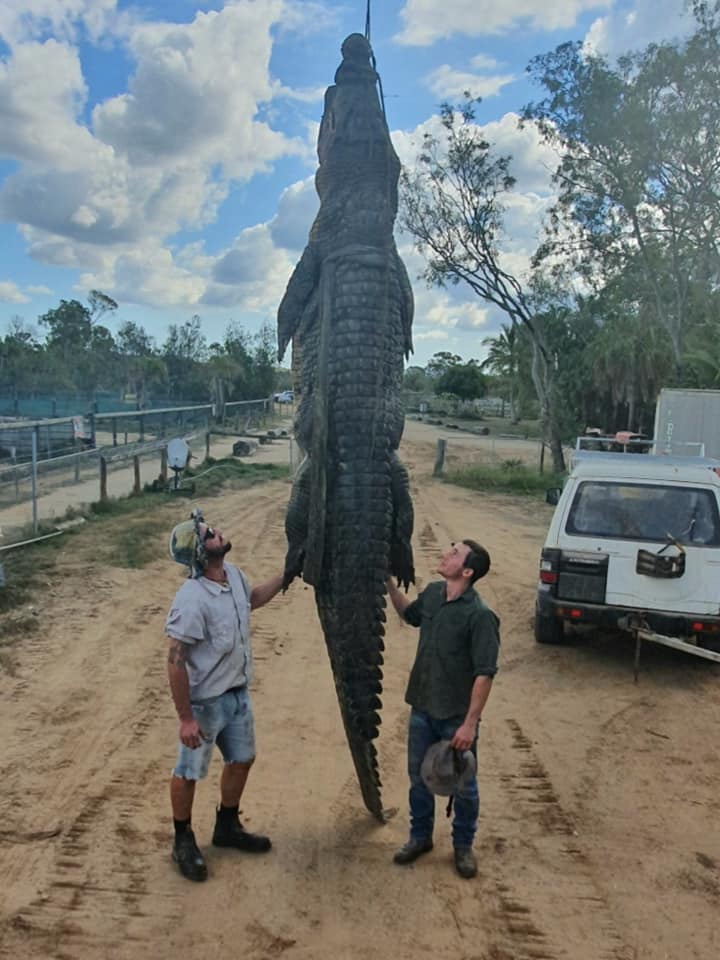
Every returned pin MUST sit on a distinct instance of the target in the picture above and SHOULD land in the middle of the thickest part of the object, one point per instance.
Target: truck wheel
(549, 629)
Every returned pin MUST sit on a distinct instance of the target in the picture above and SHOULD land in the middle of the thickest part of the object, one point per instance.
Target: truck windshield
(634, 511)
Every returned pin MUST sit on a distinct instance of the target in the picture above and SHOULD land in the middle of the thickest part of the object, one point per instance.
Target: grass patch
(25, 569)
(508, 477)
(493, 426)
(133, 544)
(236, 474)
(14, 628)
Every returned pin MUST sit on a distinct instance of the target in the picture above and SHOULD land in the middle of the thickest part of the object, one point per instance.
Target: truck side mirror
(552, 496)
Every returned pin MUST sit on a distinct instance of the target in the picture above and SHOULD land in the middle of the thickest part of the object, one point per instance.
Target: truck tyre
(549, 629)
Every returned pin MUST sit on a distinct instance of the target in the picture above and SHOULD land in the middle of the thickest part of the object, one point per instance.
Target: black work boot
(413, 849)
(465, 862)
(229, 832)
(186, 855)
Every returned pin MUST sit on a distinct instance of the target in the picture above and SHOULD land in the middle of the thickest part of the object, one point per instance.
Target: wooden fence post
(103, 480)
(207, 445)
(136, 466)
(163, 465)
(440, 457)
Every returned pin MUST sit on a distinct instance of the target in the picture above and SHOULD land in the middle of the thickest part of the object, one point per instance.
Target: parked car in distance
(287, 396)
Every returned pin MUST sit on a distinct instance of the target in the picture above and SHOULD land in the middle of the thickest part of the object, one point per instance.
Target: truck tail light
(699, 627)
(549, 567)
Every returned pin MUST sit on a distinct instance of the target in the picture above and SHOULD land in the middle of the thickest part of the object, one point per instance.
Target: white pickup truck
(635, 543)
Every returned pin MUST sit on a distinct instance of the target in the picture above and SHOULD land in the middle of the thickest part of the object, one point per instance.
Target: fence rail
(38, 457)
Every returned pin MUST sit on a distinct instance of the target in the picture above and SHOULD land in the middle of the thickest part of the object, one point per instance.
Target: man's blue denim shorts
(225, 720)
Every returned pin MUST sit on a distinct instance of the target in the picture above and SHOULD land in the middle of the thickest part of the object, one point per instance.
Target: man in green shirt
(449, 685)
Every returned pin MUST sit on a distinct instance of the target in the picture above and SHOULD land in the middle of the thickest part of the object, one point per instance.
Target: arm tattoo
(177, 654)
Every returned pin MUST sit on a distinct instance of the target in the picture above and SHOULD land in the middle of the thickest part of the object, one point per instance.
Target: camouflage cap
(185, 546)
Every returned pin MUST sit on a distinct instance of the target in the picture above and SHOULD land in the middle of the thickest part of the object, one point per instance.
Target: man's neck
(216, 572)
(456, 588)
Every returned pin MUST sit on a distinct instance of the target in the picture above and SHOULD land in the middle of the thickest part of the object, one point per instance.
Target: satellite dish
(177, 453)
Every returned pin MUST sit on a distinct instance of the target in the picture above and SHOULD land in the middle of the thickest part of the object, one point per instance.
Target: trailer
(687, 423)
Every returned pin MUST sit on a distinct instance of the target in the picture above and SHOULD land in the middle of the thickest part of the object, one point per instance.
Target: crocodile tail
(351, 604)
(358, 682)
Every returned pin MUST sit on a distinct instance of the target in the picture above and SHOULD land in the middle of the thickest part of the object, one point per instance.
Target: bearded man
(209, 669)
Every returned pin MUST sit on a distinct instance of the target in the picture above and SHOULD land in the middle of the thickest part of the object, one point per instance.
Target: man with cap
(448, 688)
(209, 668)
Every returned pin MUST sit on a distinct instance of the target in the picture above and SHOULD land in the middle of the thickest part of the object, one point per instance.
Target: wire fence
(47, 466)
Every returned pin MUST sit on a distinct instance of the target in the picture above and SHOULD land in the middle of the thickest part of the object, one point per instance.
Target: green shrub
(511, 476)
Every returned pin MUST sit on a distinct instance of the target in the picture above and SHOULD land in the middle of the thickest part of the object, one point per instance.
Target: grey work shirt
(459, 641)
(214, 621)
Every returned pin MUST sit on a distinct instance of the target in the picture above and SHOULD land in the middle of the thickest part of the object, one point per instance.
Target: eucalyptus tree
(452, 206)
(639, 175)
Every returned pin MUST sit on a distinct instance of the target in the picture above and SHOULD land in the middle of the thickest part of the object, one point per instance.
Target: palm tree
(503, 360)
(632, 358)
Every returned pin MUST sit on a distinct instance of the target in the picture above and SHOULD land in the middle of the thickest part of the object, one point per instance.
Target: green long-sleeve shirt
(459, 640)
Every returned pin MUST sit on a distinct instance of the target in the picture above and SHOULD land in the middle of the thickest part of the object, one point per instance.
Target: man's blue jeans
(423, 731)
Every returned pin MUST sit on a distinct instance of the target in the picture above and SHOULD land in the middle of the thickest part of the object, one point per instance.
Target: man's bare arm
(399, 600)
(180, 689)
(465, 734)
(264, 592)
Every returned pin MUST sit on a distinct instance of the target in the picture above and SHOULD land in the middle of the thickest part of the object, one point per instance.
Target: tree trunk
(543, 382)
(631, 409)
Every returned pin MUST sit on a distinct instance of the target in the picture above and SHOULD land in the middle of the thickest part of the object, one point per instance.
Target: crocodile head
(359, 169)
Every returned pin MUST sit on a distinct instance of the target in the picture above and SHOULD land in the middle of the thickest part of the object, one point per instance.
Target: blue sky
(163, 152)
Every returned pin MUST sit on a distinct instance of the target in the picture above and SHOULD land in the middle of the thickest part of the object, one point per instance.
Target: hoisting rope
(373, 61)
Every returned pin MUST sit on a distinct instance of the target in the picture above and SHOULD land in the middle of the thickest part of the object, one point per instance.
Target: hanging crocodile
(348, 310)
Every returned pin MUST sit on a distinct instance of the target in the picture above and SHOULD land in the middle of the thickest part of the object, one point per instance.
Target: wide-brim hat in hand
(445, 771)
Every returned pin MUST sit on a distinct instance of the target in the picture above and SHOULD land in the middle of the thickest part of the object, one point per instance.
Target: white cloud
(533, 162)
(42, 91)
(424, 24)
(647, 21)
(106, 198)
(297, 207)
(146, 274)
(450, 84)
(252, 274)
(195, 92)
(301, 94)
(11, 293)
(22, 20)
(483, 62)
(38, 290)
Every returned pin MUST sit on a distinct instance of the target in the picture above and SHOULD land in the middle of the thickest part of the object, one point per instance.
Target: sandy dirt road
(599, 828)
